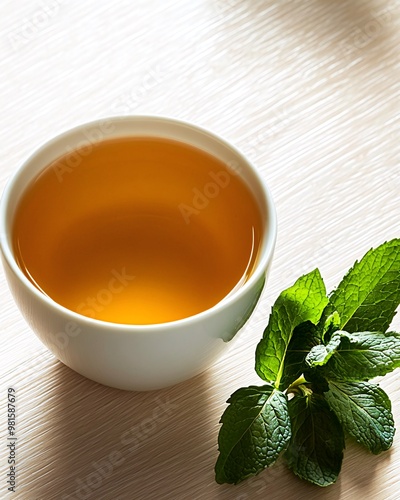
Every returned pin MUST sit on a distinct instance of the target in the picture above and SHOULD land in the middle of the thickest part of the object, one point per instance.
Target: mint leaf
(364, 410)
(315, 451)
(305, 337)
(369, 294)
(329, 326)
(255, 429)
(304, 301)
(321, 354)
(357, 356)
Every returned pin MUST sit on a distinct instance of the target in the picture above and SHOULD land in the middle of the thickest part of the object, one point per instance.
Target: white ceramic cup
(136, 357)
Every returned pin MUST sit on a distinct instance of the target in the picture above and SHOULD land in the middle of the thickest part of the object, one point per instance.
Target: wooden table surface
(309, 90)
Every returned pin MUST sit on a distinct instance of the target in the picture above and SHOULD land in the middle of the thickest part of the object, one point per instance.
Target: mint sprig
(316, 356)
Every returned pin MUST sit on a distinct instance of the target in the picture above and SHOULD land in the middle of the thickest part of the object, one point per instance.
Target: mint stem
(295, 387)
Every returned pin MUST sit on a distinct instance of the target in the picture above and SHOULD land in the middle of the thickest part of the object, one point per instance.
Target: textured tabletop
(310, 91)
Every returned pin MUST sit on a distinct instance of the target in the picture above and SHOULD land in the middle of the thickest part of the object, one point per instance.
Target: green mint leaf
(305, 337)
(315, 451)
(369, 294)
(364, 410)
(321, 354)
(357, 356)
(255, 430)
(304, 301)
(331, 324)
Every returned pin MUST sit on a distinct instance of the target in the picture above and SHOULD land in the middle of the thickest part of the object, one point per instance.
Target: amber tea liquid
(137, 231)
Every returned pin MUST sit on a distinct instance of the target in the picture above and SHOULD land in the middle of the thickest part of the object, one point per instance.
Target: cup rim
(261, 265)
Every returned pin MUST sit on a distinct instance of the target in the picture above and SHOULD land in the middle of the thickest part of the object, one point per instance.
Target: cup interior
(85, 136)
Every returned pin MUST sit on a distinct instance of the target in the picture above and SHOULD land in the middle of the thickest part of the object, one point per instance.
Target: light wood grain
(310, 91)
